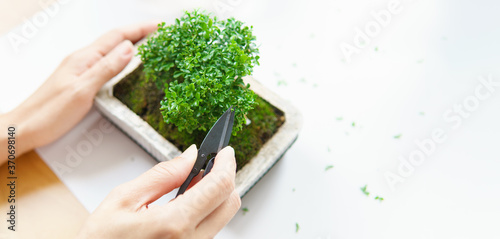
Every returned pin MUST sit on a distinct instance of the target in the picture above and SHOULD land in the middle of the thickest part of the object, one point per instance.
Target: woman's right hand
(201, 212)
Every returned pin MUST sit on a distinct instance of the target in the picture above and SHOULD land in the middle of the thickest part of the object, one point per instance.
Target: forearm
(12, 137)
(4, 137)
(3, 146)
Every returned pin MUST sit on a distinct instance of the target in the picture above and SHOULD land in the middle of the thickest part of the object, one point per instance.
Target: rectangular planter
(162, 150)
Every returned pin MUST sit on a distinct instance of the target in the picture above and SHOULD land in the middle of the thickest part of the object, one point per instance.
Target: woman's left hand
(66, 97)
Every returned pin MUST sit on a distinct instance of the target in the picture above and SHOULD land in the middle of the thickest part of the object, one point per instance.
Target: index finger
(211, 191)
(133, 33)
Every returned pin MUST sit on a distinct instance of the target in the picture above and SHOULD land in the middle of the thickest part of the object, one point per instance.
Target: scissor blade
(219, 135)
(227, 135)
(216, 139)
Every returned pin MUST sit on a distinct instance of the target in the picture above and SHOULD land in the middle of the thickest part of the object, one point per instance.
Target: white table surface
(406, 80)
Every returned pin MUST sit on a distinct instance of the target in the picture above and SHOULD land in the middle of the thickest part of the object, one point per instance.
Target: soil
(144, 98)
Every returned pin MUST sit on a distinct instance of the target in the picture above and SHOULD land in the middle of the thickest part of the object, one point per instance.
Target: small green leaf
(297, 227)
(398, 136)
(363, 189)
(328, 167)
(245, 210)
(177, 74)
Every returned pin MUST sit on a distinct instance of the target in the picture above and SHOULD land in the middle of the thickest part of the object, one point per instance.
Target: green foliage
(143, 97)
(199, 62)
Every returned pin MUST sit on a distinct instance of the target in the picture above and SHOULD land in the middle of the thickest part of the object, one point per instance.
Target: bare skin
(67, 96)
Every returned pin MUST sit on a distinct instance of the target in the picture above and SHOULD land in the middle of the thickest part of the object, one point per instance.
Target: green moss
(144, 98)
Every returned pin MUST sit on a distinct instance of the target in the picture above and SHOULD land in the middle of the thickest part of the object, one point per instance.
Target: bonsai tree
(199, 63)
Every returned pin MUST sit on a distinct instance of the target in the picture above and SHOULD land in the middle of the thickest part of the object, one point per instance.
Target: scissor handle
(186, 183)
(210, 164)
(193, 174)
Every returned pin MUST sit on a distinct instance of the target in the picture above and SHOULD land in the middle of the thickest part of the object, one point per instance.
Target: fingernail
(125, 48)
(228, 150)
(190, 152)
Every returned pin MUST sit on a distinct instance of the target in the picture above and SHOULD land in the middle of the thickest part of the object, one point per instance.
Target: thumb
(110, 65)
(158, 181)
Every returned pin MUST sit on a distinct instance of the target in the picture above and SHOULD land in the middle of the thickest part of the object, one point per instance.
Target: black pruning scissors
(216, 139)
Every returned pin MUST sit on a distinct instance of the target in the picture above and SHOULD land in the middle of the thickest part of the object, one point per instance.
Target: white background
(427, 59)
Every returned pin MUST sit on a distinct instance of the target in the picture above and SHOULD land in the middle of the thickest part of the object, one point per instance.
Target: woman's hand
(200, 212)
(64, 99)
